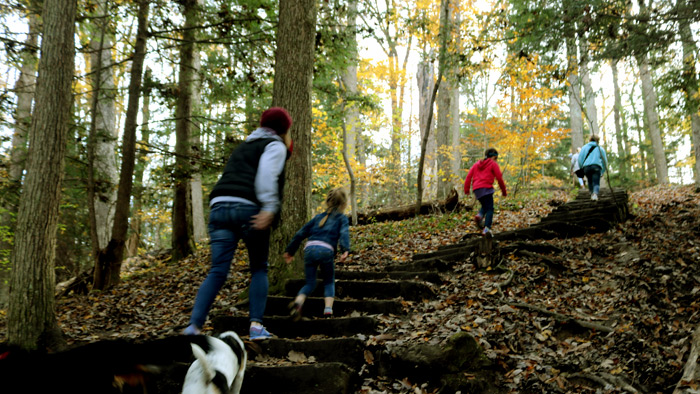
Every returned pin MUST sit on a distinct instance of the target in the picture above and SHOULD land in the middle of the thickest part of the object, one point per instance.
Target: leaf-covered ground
(639, 281)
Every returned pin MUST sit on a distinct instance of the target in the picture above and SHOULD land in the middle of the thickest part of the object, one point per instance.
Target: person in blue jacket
(593, 161)
(244, 203)
(325, 232)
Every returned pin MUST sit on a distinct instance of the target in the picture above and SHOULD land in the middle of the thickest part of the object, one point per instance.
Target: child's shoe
(294, 311)
(328, 312)
(594, 197)
(487, 232)
(478, 221)
(259, 333)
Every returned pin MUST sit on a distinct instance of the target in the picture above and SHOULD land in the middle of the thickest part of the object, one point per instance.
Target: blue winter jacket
(335, 232)
(597, 157)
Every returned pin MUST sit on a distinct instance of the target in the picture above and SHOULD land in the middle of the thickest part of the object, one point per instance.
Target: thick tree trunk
(109, 262)
(690, 85)
(24, 90)
(446, 111)
(591, 108)
(426, 83)
(574, 97)
(134, 240)
(103, 131)
(455, 137)
(294, 62)
(444, 6)
(199, 227)
(352, 110)
(182, 241)
(31, 322)
(652, 117)
(620, 132)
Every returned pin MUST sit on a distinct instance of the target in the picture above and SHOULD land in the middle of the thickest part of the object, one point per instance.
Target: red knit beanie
(276, 118)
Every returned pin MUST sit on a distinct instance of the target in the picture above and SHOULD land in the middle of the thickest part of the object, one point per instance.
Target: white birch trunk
(105, 164)
(652, 116)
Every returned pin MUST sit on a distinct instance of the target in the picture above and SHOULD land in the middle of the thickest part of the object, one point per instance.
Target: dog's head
(219, 367)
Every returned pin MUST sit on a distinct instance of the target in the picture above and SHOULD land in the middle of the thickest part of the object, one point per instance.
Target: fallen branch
(563, 318)
(691, 372)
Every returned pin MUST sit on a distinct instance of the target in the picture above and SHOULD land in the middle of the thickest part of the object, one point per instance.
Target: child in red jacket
(482, 174)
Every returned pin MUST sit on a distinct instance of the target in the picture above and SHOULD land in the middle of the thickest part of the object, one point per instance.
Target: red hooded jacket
(483, 173)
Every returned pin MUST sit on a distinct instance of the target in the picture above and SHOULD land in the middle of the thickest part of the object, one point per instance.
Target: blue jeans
(593, 174)
(315, 257)
(486, 210)
(229, 222)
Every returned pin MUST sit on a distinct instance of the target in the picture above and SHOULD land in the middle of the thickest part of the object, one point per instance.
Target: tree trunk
(426, 84)
(24, 90)
(103, 129)
(652, 117)
(620, 133)
(182, 241)
(591, 108)
(134, 240)
(31, 320)
(352, 110)
(294, 62)
(109, 262)
(455, 137)
(444, 6)
(574, 97)
(690, 86)
(199, 227)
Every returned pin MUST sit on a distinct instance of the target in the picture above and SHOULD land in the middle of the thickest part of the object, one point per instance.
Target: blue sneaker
(259, 333)
(191, 330)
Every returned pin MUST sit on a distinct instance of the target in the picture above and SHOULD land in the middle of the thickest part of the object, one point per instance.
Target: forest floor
(640, 279)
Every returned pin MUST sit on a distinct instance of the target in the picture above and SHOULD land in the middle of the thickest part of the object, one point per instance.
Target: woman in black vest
(243, 205)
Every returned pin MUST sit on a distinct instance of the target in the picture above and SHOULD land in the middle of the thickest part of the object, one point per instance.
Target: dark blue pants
(486, 210)
(593, 174)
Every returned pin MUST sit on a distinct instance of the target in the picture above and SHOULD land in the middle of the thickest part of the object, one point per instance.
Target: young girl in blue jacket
(325, 232)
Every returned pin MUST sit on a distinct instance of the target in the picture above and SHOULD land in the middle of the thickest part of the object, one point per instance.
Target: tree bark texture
(352, 109)
(108, 266)
(652, 117)
(426, 83)
(591, 108)
(105, 126)
(294, 61)
(690, 85)
(574, 96)
(24, 90)
(31, 321)
(620, 131)
(182, 202)
(134, 240)
(199, 227)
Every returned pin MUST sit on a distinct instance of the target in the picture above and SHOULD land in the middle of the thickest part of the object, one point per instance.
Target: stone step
(432, 277)
(313, 307)
(326, 378)
(284, 327)
(357, 289)
(349, 351)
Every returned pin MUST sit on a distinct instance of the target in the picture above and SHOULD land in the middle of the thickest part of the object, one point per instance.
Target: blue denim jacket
(334, 232)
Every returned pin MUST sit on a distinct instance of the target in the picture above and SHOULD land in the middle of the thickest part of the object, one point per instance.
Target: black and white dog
(121, 367)
(219, 366)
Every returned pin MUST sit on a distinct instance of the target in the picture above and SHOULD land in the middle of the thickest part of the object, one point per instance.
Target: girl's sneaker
(259, 333)
(327, 312)
(487, 232)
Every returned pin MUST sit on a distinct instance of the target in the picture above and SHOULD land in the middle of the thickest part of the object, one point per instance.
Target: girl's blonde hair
(335, 202)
